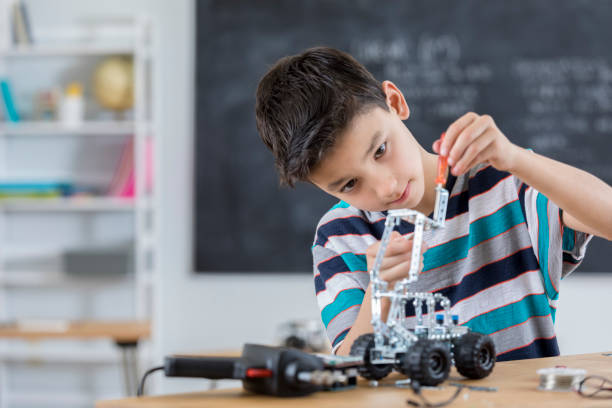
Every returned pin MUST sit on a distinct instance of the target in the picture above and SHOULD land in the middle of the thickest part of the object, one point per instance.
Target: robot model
(426, 351)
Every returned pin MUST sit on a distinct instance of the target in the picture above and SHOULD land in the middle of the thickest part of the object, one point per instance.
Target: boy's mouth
(403, 197)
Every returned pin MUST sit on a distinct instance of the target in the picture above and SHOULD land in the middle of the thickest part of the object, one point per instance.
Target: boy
(513, 227)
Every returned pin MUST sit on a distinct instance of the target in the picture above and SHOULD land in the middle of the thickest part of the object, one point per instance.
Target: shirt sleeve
(574, 248)
(339, 291)
(558, 248)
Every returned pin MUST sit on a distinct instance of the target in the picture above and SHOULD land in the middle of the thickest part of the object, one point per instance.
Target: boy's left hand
(473, 139)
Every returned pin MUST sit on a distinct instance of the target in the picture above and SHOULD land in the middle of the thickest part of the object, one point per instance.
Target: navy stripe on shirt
(327, 269)
(536, 349)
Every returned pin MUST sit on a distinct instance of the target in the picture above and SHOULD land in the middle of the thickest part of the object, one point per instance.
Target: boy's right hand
(396, 263)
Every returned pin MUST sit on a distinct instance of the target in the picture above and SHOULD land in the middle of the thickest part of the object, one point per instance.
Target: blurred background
(140, 214)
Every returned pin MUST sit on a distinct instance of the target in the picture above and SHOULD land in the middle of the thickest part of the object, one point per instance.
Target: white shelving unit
(84, 214)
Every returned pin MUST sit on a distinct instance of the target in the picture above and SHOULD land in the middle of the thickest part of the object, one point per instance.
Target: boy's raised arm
(585, 199)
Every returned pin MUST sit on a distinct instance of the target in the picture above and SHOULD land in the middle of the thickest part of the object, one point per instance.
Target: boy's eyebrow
(373, 145)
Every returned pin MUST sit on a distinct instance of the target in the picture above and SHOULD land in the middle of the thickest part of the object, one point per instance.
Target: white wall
(583, 324)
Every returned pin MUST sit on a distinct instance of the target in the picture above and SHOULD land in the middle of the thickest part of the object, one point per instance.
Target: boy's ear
(395, 100)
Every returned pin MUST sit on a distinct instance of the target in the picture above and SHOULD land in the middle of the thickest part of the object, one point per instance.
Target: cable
(144, 377)
(593, 385)
(425, 403)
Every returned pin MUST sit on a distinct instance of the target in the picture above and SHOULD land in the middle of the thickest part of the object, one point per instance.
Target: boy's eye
(381, 150)
(348, 186)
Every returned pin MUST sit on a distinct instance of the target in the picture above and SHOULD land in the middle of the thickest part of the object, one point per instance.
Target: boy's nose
(386, 188)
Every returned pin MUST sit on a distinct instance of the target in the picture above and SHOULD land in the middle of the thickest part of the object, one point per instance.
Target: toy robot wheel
(474, 355)
(361, 347)
(426, 362)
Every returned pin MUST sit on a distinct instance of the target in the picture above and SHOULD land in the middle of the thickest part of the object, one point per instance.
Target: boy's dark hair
(305, 101)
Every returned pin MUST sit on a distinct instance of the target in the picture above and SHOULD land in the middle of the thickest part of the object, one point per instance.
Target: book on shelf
(20, 24)
(35, 189)
(123, 183)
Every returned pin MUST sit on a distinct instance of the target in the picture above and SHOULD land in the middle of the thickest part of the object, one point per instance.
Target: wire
(427, 404)
(593, 385)
(144, 377)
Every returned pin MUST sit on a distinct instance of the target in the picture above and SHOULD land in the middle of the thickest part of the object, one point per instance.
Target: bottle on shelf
(72, 106)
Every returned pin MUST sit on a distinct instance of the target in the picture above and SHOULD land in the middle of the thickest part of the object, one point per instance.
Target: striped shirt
(499, 259)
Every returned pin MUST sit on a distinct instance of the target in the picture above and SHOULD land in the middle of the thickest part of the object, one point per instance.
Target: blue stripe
(537, 349)
(553, 313)
(569, 238)
(341, 204)
(480, 230)
(355, 262)
(487, 276)
(510, 315)
(543, 244)
(344, 300)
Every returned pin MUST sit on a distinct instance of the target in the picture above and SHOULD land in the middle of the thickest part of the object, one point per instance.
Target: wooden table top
(119, 331)
(516, 381)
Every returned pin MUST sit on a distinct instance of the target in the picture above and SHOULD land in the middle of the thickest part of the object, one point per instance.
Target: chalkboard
(541, 68)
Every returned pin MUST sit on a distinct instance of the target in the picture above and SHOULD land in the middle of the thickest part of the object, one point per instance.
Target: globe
(113, 83)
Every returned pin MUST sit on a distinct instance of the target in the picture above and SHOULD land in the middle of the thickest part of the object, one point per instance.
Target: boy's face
(376, 164)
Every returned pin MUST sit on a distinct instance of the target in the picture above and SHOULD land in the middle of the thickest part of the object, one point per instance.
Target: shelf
(60, 357)
(65, 50)
(90, 128)
(41, 280)
(63, 400)
(118, 331)
(91, 204)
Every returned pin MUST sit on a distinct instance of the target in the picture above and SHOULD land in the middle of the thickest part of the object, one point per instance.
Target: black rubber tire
(474, 355)
(361, 347)
(427, 362)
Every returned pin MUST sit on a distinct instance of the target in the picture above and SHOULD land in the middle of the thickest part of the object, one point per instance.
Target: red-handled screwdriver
(442, 165)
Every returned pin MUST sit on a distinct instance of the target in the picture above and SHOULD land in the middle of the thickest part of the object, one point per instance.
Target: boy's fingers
(482, 157)
(453, 131)
(436, 146)
(396, 272)
(397, 247)
(391, 261)
(474, 153)
(467, 137)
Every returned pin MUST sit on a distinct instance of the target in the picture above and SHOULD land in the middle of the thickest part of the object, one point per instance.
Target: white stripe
(338, 283)
(524, 334)
(343, 320)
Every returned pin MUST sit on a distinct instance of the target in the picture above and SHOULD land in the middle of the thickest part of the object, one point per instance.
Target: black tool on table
(278, 371)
